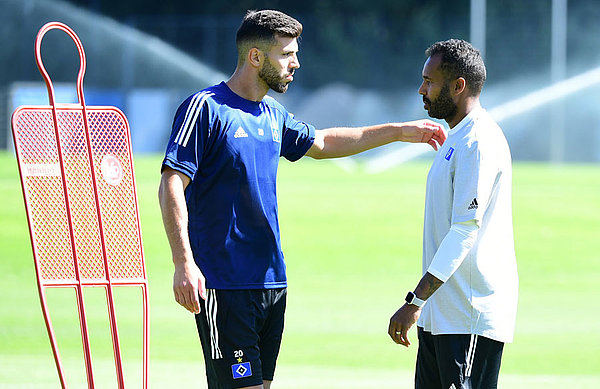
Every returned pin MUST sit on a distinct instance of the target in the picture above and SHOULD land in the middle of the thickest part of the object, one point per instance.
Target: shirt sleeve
(188, 136)
(474, 179)
(298, 137)
(453, 250)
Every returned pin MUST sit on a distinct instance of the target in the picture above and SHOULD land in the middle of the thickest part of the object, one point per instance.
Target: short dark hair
(459, 58)
(259, 28)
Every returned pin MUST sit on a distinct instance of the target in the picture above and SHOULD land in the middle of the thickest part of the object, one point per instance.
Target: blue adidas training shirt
(230, 148)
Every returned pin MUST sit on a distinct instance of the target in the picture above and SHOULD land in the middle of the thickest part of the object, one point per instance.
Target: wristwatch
(412, 298)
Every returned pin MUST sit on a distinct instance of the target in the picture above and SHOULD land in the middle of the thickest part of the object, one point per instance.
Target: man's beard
(443, 107)
(272, 78)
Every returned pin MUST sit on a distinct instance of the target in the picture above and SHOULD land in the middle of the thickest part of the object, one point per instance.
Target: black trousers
(457, 361)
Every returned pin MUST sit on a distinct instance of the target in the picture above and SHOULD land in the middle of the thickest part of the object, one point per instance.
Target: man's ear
(460, 84)
(255, 57)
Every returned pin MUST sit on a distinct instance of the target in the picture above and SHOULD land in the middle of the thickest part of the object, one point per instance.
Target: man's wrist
(184, 259)
(412, 299)
(400, 132)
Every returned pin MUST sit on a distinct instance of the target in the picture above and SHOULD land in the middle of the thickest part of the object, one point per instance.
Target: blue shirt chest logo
(275, 132)
(449, 154)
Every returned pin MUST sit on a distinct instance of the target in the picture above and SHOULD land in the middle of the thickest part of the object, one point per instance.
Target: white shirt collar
(466, 120)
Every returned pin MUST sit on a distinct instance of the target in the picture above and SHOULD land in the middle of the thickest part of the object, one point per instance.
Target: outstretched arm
(343, 141)
(188, 280)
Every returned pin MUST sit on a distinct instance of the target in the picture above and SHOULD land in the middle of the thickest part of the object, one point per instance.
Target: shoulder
(485, 122)
(480, 129)
(270, 101)
(274, 104)
(485, 138)
(487, 132)
(208, 98)
(211, 95)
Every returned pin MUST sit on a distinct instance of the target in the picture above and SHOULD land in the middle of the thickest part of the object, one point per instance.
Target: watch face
(409, 297)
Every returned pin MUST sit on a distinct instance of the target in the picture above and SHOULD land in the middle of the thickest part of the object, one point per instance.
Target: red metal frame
(79, 190)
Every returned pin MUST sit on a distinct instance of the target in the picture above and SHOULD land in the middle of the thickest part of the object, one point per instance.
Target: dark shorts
(240, 332)
(457, 361)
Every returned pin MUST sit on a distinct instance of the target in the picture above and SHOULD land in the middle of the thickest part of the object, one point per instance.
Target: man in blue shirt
(219, 204)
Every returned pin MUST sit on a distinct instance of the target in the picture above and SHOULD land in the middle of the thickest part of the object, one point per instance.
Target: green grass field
(352, 243)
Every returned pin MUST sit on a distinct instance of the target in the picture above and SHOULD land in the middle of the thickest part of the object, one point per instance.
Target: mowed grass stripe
(167, 374)
(352, 243)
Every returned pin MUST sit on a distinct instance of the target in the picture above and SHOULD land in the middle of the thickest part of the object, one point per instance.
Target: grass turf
(352, 243)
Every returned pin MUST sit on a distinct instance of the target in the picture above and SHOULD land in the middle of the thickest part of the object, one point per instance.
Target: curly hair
(460, 59)
(259, 29)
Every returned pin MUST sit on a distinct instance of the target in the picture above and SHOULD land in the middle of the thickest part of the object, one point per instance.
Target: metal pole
(558, 72)
(478, 25)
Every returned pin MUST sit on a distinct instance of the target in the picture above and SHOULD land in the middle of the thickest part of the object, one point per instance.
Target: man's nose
(295, 63)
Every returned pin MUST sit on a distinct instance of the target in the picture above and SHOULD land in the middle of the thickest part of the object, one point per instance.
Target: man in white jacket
(466, 302)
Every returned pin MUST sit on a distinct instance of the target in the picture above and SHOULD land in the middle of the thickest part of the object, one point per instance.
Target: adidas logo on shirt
(473, 205)
(240, 133)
